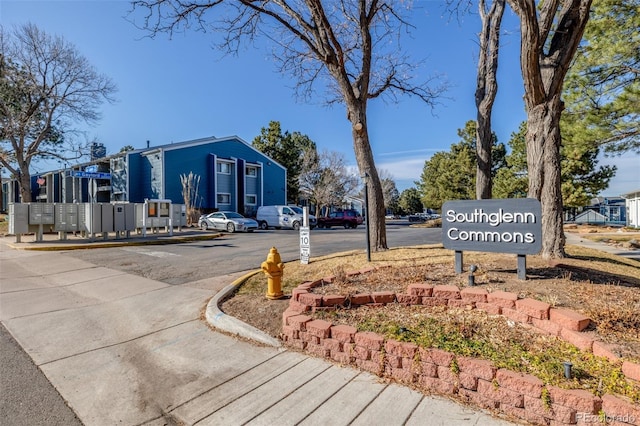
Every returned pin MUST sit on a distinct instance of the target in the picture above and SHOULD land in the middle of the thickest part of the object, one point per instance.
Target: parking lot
(188, 262)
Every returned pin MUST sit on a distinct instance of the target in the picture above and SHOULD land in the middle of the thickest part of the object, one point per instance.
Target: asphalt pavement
(122, 349)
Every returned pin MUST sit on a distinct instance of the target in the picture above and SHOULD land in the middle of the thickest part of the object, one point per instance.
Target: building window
(251, 199)
(224, 198)
(117, 164)
(224, 168)
(251, 171)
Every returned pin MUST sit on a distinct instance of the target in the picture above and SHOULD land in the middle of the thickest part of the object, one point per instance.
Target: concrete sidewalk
(578, 240)
(121, 349)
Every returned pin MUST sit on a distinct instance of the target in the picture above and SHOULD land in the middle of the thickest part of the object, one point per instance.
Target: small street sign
(305, 245)
(89, 175)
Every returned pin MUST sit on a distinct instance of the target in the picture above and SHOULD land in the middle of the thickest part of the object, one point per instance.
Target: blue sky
(172, 90)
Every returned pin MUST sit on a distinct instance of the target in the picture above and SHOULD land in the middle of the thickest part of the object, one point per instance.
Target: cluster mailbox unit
(94, 218)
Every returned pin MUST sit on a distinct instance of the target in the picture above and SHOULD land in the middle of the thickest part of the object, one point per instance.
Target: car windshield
(296, 209)
(232, 215)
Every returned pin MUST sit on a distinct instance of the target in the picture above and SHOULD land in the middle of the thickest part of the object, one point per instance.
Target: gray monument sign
(502, 226)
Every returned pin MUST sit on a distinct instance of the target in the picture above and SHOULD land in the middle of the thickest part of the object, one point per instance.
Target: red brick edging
(475, 381)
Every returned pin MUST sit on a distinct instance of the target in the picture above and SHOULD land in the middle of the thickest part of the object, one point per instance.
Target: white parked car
(227, 221)
(282, 217)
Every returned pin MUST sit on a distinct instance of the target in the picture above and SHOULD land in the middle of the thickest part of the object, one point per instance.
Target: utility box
(90, 215)
(119, 220)
(66, 217)
(153, 214)
(41, 214)
(18, 218)
(129, 217)
(179, 215)
(124, 218)
(139, 215)
(107, 217)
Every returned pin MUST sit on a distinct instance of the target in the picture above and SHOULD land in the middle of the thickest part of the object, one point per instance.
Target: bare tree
(325, 178)
(191, 195)
(550, 34)
(486, 90)
(389, 189)
(350, 49)
(45, 86)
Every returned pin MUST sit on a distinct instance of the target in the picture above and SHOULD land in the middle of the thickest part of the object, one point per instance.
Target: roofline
(203, 141)
(631, 194)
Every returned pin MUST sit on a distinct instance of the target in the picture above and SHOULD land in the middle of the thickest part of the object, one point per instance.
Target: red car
(346, 218)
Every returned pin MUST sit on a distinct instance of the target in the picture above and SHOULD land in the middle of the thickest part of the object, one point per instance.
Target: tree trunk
(25, 187)
(2, 206)
(483, 156)
(548, 43)
(486, 90)
(367, 167)
(543, 161)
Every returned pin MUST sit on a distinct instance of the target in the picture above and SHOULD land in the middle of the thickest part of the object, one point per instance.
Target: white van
(282, 217)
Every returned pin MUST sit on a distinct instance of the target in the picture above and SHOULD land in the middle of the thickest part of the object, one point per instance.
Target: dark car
(346, 218)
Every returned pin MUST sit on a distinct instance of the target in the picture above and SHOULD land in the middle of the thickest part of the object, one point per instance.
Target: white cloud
(403, 169)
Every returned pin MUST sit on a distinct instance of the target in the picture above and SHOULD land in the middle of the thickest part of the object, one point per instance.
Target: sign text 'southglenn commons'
(503, 226)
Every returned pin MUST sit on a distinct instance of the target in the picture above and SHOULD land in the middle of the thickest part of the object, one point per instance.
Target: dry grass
(604, 287)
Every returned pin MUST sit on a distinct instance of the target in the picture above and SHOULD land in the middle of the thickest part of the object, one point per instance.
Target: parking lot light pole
(365, 178)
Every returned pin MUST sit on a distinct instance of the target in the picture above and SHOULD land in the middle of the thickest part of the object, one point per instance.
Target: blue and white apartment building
(233, 176)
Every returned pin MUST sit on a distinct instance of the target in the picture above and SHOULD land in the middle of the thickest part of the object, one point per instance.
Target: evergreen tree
(582, 179)
(511, 180)
(602, 89)
(409, 201)
(287, 149)
(452, 175)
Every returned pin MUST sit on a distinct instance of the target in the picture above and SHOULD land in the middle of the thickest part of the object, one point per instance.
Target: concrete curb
(63, 245)
(218, 319)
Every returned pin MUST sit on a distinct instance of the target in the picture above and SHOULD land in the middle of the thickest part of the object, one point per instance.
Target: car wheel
(296, 226)
(204, 226)
(231, 227)
(264, 225)
(354, 226)
(346, 225)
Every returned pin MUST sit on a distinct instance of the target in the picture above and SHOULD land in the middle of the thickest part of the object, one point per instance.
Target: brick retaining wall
(519, 395)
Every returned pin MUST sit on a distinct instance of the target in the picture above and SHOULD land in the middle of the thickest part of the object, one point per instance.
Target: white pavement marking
(153, 253)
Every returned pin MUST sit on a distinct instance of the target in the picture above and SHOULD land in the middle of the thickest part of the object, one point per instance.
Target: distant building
(602, 210)
(590, 217)
(233, 176)
(632, 204)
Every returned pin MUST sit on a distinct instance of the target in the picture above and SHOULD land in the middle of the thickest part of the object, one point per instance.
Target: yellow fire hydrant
(273, 268)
